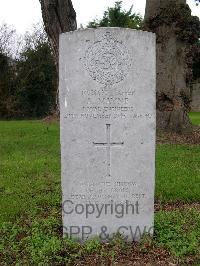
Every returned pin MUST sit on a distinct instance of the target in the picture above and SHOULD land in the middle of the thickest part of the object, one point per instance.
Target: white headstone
(108, 121)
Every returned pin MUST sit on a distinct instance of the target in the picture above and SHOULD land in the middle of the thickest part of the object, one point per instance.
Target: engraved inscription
(107, 60)
(109, 189)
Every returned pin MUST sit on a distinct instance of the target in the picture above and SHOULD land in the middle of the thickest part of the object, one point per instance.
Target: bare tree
(7, 39)
(36, 36)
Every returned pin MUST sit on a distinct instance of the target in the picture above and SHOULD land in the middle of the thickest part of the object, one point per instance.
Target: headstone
(107, 120)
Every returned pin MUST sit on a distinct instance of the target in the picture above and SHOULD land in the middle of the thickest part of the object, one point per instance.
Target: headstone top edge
(107, 28)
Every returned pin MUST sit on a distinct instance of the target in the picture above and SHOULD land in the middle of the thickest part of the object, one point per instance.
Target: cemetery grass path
(30, 196)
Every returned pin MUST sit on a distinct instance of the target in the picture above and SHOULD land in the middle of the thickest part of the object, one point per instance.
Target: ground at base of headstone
(30, 196)
(38, 240)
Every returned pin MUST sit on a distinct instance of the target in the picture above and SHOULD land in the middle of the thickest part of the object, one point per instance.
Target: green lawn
(30, 196)
(195, 118)
(30, 168)
(178, 173)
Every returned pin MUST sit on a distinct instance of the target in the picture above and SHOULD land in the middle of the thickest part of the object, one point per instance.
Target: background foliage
(28, 79)
(117, 17)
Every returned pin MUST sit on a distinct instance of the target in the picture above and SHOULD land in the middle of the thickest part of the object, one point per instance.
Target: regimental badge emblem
(107, 60)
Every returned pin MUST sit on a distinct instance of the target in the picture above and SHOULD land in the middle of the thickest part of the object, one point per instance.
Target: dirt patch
(51, 119)
(173, 206)
(137, 256)
(185, 138)
(132, 255)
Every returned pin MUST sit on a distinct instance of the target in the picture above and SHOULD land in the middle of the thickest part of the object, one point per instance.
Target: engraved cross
(108, 145)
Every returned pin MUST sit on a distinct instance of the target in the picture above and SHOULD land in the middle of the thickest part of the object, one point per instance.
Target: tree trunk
(173, 90)
(59, 16)
(153, 7)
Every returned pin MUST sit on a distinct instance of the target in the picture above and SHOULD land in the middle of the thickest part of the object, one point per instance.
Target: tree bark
(173, 90)
(59, 16)
(153, 7)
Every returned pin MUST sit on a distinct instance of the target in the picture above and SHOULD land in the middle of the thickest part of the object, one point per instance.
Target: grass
(195, 118)
(30, 168)
(178, 173)
(37, 241)
(30, 197)
(179, 231)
